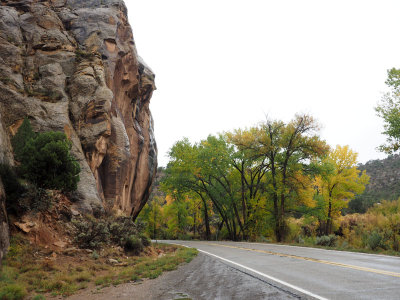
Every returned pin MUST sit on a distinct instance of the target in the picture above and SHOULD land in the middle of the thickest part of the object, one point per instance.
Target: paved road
(311, 273)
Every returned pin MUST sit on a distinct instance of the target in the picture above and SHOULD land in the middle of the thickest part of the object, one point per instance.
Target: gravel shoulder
(203, 278)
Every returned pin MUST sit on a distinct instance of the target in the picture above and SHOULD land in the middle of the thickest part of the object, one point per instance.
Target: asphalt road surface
(308, 272)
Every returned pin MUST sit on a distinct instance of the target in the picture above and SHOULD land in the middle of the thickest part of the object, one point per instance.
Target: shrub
(24, 134)
(46, 161)
(299, 240)
(134, 245)
(21, 198)
(326, 240)
(13, 188)
(145, 240)
(95, 255)
(37, 198)
(374, 240)
(121, 228)
(91, 233)
(12, 292)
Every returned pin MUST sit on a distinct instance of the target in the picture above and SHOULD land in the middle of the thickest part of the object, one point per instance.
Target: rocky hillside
(72, 66)
(384, 183)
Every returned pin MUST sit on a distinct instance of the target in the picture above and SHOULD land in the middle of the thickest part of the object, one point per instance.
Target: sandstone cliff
(72, 66)
(5, 158)
(4, 234)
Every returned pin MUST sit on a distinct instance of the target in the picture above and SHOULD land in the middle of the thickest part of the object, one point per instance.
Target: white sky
(225, 64)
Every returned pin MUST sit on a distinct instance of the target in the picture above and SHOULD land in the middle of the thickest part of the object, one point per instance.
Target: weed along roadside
(32, 272)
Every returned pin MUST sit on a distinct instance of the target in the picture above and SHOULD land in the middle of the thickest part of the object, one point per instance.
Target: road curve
(309, 272)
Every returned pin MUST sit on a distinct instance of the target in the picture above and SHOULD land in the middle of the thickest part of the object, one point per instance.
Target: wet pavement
(203, 278)
(311, 272)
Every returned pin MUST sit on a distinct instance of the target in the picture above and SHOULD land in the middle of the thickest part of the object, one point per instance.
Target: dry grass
(36, 271)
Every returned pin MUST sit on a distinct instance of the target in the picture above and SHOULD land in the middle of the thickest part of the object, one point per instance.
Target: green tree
(152, 215)
(389, 111)
(249, 175)
(252, 170)
(46, 161)
(341, 185)
(184, 177)
(24, 134)
(291, 153)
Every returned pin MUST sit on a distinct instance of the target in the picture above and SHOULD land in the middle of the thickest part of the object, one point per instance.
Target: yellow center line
(321, 261)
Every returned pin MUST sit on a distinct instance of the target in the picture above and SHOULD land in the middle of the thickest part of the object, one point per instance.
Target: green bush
(121, 228)
(37, 198)
(24, 134)
(12, 292)
(22, 198)
(134, 245)
(145, 240)
(95, 255)
(13, 188)
(326, 240)
(374, 240)
(46, 161)
(91, 233)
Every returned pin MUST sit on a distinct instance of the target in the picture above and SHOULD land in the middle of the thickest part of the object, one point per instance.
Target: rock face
(4, 234)
(5, 158)
(72, 66)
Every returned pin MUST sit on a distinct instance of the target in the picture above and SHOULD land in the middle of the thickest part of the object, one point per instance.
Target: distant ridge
(384, 183)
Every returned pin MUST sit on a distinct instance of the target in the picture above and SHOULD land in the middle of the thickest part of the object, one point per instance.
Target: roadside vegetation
(39, 272)
(277, 182)
(44, 163)
(376, 231)
(56, 250)
(251, 184)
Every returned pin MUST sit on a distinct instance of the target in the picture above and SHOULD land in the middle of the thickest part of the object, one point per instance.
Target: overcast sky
(225, 64)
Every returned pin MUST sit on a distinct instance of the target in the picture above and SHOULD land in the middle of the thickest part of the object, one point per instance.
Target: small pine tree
(23, 135)
(47, 162)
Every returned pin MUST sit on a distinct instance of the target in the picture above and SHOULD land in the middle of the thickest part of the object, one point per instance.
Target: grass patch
(12, 292)
(28, 270)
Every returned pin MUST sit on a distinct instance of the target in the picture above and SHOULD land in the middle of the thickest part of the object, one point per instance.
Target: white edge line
(262, 274)
(321, 249)
(306, 247)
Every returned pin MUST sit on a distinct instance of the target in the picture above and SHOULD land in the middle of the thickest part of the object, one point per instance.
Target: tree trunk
(238, 219)
(328, 227)
(282, 218)
(206, 220)
(244, 207)
(194, 224)
(277, 225)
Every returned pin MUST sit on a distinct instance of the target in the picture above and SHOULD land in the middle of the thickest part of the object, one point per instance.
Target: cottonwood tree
(251, 170)
(340, 185)
(183, 177)
(291, 153)
(249, 176)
